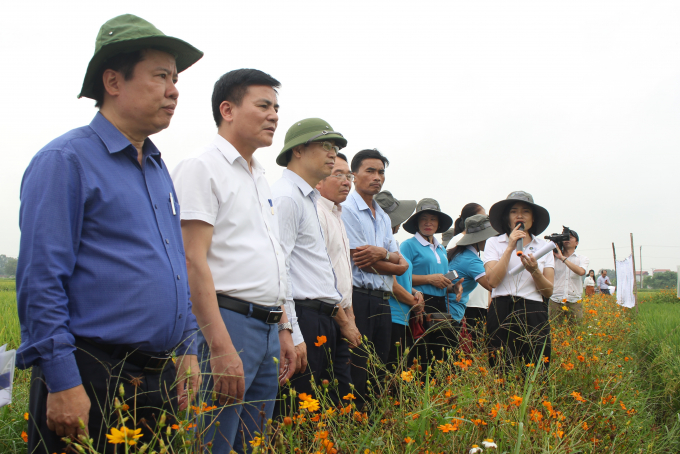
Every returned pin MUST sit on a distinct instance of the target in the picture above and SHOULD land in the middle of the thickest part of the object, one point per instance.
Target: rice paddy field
(612, 385)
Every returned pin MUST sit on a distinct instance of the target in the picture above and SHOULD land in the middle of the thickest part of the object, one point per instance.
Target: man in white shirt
(313, 299)
(236, 267)
(565, 301)
(603, 283)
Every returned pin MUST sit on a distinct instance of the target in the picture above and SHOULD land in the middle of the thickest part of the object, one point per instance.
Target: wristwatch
(387, 257)
(284, 326)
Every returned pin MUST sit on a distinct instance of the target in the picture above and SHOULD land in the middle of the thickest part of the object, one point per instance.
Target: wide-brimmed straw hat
(477, 228)
(306, 131)
(428, 206)
(128, 33)
(397, 210)
(541, 215)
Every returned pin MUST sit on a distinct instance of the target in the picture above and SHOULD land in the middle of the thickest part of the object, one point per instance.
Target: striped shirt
(310, 271)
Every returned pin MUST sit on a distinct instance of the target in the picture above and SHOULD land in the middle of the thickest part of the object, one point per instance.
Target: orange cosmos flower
(320, 340)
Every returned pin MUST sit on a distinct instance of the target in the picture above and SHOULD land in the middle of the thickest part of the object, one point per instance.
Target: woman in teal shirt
(429, 265)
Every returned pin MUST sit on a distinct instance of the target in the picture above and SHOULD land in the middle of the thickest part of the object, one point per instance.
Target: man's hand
(287, 360)
(227, 374)
(301, 359)
(558, 254)
(365, 256)
(188, 378)
(439, 281)
(64, 408)
(350, 332)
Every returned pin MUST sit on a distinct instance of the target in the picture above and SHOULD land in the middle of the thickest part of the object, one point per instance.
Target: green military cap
(306, 131)
(128, 33)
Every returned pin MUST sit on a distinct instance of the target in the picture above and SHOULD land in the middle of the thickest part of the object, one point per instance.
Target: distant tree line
(8, 266)
(664, 279)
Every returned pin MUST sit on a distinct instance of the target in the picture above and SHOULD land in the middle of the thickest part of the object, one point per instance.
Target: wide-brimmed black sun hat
(541, 215)
(428, 206)
(397, 210)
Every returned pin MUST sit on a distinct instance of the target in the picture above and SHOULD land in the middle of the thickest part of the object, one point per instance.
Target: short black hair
(505, 219)
(341, 156)
(233, 85)
(367, 154)
(123, 63)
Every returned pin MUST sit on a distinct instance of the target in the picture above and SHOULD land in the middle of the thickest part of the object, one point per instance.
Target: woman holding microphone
(517, 319)
(429, 264)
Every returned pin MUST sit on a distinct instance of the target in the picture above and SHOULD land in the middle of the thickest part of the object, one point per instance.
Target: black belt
(323, 308)
(270, 316)
(152, 363)
(379, 293)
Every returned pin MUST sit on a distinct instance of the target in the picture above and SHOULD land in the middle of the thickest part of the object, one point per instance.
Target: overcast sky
(576, 102)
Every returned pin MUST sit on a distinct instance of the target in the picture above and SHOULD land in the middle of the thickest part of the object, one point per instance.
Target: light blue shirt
(426, 259)
(400, 311)
(469, 266)
(365, 229)
(310, 271)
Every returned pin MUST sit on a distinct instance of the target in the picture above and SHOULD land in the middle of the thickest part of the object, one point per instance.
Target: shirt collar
(504, 239)
(305, 188)
(424, 242)
(115, 141)
(361, 204)
(231, 154)
(328, 204)
(471, 249)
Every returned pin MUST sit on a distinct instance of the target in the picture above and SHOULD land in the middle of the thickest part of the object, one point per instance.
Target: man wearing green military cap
(102, 284)
(313, 300)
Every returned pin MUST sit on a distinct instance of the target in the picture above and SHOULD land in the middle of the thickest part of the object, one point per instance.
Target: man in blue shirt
(102, 287)
(375, 260)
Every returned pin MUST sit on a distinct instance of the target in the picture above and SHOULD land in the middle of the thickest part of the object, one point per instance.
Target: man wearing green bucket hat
(313, 301)
(102, 282)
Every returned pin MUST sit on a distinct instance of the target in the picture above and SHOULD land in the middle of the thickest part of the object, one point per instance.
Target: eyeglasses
(344, 176)
(329, 146)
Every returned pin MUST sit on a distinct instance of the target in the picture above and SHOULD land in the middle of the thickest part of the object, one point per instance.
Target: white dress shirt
(337, 245)
(310, 271)
(603, 282)
(522, 284)
(568, 285)
(245, 258)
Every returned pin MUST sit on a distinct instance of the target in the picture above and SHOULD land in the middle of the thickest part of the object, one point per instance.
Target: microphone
(520, 242)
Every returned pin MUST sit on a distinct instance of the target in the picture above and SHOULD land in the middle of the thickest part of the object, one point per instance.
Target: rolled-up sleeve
(53, 197)
(287, 213)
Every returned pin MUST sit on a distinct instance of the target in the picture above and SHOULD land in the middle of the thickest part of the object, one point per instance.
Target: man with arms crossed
(375, 260)
(313, 298)
(568, 287)
(236, 266)
(102, 288)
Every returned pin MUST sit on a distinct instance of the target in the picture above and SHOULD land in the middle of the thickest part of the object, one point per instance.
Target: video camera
(559, 238)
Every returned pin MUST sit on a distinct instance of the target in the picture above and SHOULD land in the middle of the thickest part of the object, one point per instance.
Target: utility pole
(632, 254)
(641, 287)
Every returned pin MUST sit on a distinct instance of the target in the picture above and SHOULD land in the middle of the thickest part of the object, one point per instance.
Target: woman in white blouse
(589, 282)
(517, 320)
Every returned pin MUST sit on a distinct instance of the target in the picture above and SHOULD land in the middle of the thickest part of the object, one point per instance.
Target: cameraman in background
(565, 301)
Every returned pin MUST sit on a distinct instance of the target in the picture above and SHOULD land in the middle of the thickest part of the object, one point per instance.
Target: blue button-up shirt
(365, 229)
(101, 252)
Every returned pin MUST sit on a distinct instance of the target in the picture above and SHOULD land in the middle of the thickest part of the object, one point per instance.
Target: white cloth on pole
(7, 359)
(625, 282)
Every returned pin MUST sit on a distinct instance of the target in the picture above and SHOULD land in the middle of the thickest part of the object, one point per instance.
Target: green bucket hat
(306, 131)
(541, 215)
(397, 210)
(477, 228)
(428, 206)
(448, 236)
(128, 33)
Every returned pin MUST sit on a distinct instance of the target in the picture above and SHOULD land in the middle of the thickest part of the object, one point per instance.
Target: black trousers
(475, 320)
(329, 361)
(373, 318)
(102, 376)
(521, 327)
(400, 334)
(440, 334)
(605, 291)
